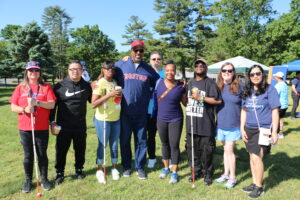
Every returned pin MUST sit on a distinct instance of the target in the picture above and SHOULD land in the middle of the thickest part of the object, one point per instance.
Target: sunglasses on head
(34, 70)
(255, 73)
(227, 70)
(154, 59)
(138, 50)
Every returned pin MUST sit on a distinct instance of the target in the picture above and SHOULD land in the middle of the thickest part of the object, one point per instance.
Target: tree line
(186, 29)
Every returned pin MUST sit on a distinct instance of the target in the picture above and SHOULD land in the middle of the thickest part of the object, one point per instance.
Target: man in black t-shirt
(203, 95)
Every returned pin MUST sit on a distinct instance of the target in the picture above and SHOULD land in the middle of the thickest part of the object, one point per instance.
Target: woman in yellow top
(106, 99)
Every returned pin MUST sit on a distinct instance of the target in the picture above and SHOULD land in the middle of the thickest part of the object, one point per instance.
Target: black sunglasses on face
(138, 50)
(227, 70)
(200, 65)
(154, 59)
(255, 73)
(34, 70)
(109, 68)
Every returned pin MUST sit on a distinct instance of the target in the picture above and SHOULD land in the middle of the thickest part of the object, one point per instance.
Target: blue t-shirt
(229, 112)
(283, 92)
(296, 82)
(264, 104)
(150, 106)
(169, 108)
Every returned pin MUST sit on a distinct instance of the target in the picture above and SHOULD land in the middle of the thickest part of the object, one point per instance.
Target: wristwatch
(37, 102)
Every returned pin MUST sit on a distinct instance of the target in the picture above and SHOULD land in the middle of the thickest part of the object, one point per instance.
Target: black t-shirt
(203, 114)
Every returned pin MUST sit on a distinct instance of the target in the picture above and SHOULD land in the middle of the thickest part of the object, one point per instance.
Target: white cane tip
(193, 186)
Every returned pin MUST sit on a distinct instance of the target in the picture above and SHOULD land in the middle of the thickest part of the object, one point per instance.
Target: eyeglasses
(154, 59)
(227, 70)
(138, 50)
(200, 65)
(109, 68)
(34, 70)
(75, 69)
(255, 73)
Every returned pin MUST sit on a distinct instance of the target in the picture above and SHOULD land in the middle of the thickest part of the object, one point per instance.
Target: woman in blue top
(259, 110)
(228, 128)
(170, 119)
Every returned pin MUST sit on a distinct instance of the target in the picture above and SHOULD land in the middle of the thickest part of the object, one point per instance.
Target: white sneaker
(151, 163)
(100, 176)
(115, 174)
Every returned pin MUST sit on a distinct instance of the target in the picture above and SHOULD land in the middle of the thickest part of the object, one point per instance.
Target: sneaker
(164, 173)
(27, 186)
(249, 188)
(100, 176)
(280, 136)
(142, 174)
(257, 192)
(293, 118)
(222, 178)
(46, 185)
(151, 163)
(174, 178)
(79, 174)
(59, 178)
(115, 174)
(208, 180)
(127, 173)
(231, 183)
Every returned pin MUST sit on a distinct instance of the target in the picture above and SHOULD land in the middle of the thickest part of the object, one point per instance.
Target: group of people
(131, 96)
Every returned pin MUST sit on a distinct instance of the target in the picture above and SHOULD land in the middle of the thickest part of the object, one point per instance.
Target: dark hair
(156, 52)
(105, 64)
(170, 62)
(249, 86)
(298, 72)
(234, 86)
(75, 62)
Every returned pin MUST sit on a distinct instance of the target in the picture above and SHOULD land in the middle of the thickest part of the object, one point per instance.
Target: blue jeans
(138, 125)
(112, 134)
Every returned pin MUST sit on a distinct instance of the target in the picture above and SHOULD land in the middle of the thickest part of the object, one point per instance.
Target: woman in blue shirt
(259, 110)
(228, 128)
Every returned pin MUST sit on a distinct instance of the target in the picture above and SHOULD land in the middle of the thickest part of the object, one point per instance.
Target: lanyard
(33, 95)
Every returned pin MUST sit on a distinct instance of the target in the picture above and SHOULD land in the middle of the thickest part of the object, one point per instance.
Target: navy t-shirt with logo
(296, 82)
(264, 104)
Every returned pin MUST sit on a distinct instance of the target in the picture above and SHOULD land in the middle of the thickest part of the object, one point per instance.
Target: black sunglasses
(255, 73)
(156, 59)
(227, 70)
(34, 70)
(109, 68)
(138, 50)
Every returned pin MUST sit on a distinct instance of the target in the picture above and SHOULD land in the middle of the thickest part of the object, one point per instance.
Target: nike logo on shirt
(73, 93)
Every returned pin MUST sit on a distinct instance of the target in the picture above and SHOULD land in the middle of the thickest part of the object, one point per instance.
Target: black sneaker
(79, 174)
(46, 185)
(257, 192)
(127, 173)
(208, 180)
(59, 178)
(249, 188)
(27, 186)
(142, 174)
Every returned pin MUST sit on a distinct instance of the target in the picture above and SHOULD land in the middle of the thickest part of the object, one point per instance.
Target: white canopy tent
(240, 63)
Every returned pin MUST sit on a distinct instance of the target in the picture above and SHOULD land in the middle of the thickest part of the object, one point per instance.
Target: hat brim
(33, 67)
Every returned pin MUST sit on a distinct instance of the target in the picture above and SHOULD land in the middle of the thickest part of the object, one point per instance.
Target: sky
(111, 15)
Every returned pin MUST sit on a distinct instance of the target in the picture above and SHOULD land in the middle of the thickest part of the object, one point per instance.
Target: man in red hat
(136, 77)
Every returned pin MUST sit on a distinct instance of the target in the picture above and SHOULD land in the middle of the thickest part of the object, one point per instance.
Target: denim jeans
(138, 125)
(112, 133)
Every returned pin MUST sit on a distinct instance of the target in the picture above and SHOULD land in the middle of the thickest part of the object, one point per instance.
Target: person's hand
(113, 93)
(29, 109)
(125, 58)
(244, 136)
(31, 101)
(274, 138)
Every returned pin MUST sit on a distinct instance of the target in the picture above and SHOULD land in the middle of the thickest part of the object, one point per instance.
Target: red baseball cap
(137, 43)
(33, 64)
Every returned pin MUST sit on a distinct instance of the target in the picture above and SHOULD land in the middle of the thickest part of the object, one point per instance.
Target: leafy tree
(93, 46)
(27, 44)
(175, 25)
(136, 30)
(56, 22)
(8, 31)
(282, 38)
(239, 28)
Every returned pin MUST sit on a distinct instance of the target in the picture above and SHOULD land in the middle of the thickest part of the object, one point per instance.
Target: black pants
(63, 142)
(295, 104)
(41, 143)
(151, 133)
(170, 133)
(204, 147)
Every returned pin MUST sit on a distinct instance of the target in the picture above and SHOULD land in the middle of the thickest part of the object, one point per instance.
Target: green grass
(282, 169)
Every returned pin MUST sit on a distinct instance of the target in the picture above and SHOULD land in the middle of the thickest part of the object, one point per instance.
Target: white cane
(192, 143)
(104, 142)
(38, 195)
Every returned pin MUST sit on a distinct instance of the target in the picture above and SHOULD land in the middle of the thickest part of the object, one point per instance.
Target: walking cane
(192, 142)
(38, 194)
(104, 133)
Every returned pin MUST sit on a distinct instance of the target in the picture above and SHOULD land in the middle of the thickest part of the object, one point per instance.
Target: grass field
(282, 169)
